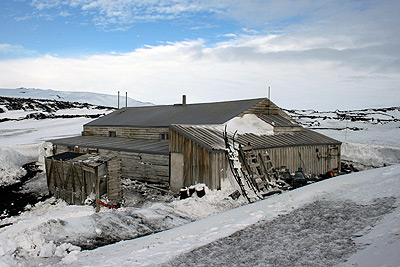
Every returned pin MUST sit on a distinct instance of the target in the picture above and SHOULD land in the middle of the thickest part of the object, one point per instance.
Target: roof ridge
(202, 103)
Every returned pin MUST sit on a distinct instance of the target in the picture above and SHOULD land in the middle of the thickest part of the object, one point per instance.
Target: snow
(10, 166)
(353, 220)
(33, 131)
(249, 123)
(46, 229)
(22, 139)
(347, 194)
(320, 235)
(196, 208)
(339, 210)
(371, 155)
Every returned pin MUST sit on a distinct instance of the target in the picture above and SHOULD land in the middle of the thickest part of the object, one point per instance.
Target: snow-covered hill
(26, 123)
(82, 97)
(29, 121)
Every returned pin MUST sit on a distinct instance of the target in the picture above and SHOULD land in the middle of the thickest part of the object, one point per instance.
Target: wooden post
(96, 175)
(71, 175)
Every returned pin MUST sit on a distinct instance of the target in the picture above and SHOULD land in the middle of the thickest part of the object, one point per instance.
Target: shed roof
(163, 116)
(87, 159)
(116, 144)
(277, 121)
(211, 138)
(66, 156)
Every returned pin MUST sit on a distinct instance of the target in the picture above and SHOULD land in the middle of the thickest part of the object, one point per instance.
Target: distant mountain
(82, 97)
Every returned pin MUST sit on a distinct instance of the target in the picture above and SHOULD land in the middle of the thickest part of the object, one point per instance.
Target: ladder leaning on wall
(261, 171)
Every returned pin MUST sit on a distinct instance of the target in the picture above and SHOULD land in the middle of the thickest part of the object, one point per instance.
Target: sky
(317, 54)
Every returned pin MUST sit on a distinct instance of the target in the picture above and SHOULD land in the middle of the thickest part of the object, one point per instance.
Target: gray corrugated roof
(163, 116)
(277, 120)
(116, 144)
(211, 138)
(304, 138)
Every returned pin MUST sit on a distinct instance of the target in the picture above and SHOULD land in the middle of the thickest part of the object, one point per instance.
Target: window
(112, 134)
(164, 136)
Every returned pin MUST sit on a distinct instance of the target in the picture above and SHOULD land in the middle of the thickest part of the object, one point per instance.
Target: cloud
(9, 50)
(46, 4)
(112, 12)
(342, 54)
(302, 78)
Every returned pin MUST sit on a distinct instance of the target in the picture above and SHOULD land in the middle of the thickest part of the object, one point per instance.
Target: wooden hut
(179, 145)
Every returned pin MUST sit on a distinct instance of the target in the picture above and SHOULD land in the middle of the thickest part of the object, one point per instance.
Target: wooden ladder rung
(254, 165)
(247, 148)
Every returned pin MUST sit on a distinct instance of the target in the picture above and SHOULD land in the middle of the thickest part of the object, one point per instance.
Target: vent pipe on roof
(269, 100)
(126, 99)
(183, 99)
(118, 99)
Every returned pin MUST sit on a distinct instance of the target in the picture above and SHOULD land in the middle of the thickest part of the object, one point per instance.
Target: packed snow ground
(317, 234)
(52, 232)
(336, 221)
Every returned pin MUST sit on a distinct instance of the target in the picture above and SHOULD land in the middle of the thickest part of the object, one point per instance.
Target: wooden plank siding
(200, 166)
(74, 181)
(126, 132)
(66, 181)
(114, 186)
(144, 167)
(326, 159)
(219, 169)
(267, 107)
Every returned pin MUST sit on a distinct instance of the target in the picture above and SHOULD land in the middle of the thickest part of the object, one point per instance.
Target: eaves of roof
(211, 138)
(116, 144)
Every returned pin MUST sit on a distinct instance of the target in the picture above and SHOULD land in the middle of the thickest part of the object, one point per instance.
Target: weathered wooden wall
(114, 186)
(144, 167)
(74, 181)
(266, 107)
(219, 169)
(126, 132)
(200, 166)
(313, 159)
(211, 168)
(67, 181)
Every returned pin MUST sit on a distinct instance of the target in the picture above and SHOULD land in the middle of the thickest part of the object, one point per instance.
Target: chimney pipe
(118, 99)
(183, 99)
(269, 100)
(126, 99)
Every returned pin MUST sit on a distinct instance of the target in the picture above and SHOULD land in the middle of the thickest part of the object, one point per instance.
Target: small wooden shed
(75, 177)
